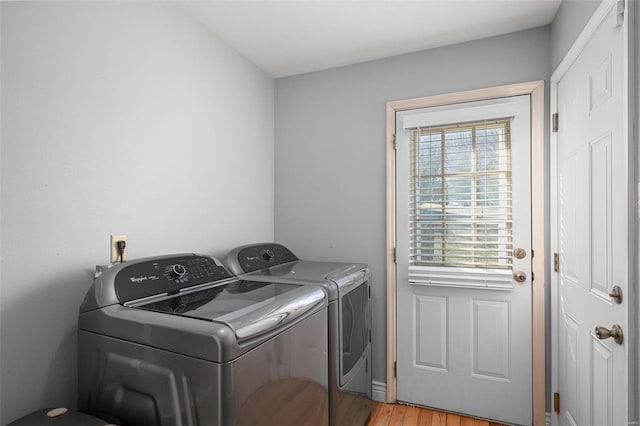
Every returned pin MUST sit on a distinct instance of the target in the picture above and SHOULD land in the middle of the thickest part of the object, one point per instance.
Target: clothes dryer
(349, 325)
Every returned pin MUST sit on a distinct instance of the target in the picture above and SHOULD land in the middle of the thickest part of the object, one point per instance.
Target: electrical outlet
(115, 254)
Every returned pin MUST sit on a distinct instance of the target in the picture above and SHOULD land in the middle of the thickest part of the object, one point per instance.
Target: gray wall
(570, 19)
(117, 117)
(330, 146)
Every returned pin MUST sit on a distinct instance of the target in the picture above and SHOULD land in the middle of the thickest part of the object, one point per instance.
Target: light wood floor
(402, 415)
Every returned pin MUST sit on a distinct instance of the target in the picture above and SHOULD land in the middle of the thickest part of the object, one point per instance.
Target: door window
(460, 197)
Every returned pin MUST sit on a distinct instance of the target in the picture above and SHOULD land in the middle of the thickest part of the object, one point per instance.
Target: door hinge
(395, 369)
(554, 122)
(533, 254)
(395, 145)
(533, 276)
(556, 403)
(395, 255)
(620, 8)
(556, 262)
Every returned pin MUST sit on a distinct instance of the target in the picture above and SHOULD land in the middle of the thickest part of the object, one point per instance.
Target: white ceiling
(297, 36)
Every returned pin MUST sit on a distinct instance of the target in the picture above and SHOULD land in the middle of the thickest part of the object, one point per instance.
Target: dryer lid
(334, 277)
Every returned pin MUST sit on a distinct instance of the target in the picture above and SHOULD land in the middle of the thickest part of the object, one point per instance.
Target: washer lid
(249, 308)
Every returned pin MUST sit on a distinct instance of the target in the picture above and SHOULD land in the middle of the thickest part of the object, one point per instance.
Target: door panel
(600, 153)
(432, 341)
(490, 335)
(569, 367)
(593, 232)
(602, 368)
(464, 333)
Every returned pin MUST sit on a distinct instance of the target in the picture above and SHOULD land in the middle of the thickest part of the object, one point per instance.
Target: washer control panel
(261, 256)
(166, 275)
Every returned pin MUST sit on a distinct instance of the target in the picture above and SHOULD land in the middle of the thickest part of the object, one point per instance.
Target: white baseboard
(379, 391)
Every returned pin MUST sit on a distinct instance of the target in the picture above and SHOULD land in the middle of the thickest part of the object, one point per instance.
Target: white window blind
(460, 196)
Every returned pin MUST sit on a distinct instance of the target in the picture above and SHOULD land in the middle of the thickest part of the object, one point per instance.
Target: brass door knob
(615, 332)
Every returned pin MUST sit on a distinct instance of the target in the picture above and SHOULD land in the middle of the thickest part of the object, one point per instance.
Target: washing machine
(178, 340)
(349, 325)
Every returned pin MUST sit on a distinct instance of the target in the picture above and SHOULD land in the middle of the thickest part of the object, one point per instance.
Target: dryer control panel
(166, 275)
(259, 256)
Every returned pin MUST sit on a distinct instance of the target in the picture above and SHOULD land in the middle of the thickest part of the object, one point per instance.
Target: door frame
(536, 90)
(565, 64)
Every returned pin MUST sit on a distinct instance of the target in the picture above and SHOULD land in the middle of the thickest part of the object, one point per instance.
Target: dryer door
(354, 331)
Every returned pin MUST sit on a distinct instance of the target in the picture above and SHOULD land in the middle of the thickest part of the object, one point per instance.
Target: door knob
(615, 332)
(519, 276)
(616, 294)
(519, 253)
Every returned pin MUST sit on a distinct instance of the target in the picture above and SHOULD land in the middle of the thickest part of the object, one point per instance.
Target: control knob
(178, 271)
(268, 255)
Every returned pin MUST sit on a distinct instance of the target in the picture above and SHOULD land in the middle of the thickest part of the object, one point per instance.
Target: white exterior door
(463, 208)
(593, 232)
